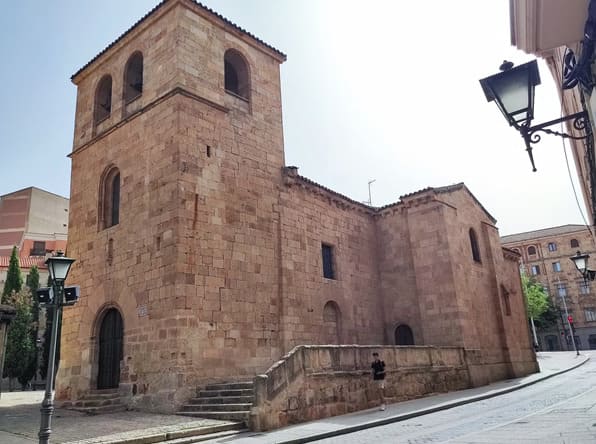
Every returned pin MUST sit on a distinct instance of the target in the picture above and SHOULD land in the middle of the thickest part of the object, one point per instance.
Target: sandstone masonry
(202, 257)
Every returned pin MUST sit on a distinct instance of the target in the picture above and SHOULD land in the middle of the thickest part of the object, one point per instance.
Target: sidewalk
(551, 364)
(20, 417)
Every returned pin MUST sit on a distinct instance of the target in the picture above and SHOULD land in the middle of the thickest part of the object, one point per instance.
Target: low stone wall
(314, 382)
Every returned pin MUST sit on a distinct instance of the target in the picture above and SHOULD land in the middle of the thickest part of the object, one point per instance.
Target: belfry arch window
(236, 76)
(109, 202)
(103, 99)
(474, 246)
(133, 77)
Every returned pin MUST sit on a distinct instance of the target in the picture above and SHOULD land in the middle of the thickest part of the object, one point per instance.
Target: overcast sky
(385, 90)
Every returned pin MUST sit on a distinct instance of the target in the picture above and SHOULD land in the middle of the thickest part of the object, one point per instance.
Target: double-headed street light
(54, 299)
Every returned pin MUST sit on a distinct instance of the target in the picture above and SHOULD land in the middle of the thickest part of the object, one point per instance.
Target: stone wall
(490, 300)
(314, 382)
(311, 217)
(192, 265)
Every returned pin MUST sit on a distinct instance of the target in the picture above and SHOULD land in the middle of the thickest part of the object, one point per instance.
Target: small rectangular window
(562, 289)
(39, 249)
(584, 287)
(535, 269)
(556, 266)
(327, 252)
(552, 246)
(590, 314)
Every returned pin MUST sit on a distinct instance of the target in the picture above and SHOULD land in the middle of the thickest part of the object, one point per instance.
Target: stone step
(95, 403)
(217, 393)
(112, 408)
(243, 385)
(99, 397)
(224, 416)
(102, 391)
(216, 407)
(223, 400)
(238, 428)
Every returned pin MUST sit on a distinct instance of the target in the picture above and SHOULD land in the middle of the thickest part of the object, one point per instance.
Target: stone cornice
(293, 179)
(176, 91)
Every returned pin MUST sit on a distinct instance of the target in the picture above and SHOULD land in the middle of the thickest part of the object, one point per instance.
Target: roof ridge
(579, 227)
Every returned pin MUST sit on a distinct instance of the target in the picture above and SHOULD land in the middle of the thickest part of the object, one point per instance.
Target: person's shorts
(380, 383)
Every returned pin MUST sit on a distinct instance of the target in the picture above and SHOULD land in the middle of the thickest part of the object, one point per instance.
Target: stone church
(202, 257)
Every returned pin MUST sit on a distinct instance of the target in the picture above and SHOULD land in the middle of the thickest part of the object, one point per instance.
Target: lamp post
(581, 264)
(58, 266)
(513, 91)
(567, 317)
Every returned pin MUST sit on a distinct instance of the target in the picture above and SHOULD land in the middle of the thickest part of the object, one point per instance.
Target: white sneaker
(382, 406)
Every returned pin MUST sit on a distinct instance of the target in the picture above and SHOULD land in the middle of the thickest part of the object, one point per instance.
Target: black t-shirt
(378, 370)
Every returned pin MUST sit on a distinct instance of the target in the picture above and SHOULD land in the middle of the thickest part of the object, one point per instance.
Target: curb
(416, 413)
(161, 436)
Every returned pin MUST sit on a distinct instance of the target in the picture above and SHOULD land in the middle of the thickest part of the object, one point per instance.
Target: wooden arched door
(404, 335)
(110, 350)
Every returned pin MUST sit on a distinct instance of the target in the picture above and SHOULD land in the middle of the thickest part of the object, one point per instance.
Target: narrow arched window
(133, 77)
(103, 99)
(115, 200)
(109, 206)
(474, 245)
(574, 243)
(236, 78)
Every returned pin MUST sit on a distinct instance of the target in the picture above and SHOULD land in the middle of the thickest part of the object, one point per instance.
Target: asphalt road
(558, 410)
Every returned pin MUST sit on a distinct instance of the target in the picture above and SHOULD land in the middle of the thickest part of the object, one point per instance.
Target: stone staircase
(97, 402)
(229, 401)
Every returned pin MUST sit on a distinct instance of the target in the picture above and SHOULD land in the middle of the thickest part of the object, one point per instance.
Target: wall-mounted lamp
(581, 263)
(513, 91)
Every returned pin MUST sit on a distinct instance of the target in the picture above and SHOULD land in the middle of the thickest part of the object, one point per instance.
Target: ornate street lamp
(581, 263)
(513, 91)
(53, 298)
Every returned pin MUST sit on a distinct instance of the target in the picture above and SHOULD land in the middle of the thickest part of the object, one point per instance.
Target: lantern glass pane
(580, 263)
(59, 266)
(512, 90)
(60, 269)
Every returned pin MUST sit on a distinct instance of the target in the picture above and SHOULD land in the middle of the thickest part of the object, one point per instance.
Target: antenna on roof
(369, 202)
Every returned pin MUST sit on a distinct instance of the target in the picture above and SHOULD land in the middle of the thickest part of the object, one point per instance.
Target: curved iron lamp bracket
(581, 122)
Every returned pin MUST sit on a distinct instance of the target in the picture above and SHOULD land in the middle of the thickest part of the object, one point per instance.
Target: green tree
(33, 279)
(536, 302)
(32, 282)
(536, 298)
(20, 347)
(14, 280)
(549, 318)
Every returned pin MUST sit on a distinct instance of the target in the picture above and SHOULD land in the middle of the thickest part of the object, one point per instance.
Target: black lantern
(513, 91)
(59, 266)
(581, 263)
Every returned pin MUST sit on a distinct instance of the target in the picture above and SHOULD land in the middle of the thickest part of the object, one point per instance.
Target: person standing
(378, 372)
